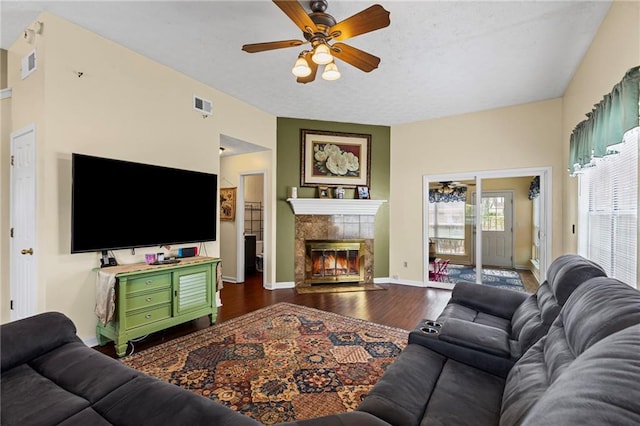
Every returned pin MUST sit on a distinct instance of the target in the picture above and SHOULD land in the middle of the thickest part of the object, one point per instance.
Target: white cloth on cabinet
(105, 296)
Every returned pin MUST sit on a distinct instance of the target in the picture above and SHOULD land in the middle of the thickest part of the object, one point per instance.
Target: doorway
(471, 245)
(250, 230)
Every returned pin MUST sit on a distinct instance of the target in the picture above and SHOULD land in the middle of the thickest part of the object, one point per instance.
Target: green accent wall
(288, 174)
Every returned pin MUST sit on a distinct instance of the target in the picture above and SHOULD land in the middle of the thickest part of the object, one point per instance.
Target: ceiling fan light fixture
(322, 55)
(331, 72)
(301, 67)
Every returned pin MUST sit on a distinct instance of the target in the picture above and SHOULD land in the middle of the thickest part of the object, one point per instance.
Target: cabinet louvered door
(192, 290)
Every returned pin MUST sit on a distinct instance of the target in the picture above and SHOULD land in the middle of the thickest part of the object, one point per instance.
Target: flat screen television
(119, 204)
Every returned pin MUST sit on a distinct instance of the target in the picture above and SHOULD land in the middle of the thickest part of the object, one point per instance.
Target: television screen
(119, 204)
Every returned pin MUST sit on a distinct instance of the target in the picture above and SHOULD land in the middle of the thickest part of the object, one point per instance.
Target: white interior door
(22, 271)
(497, 228)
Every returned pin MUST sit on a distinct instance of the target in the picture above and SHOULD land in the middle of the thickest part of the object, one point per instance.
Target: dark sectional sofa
(584, 368)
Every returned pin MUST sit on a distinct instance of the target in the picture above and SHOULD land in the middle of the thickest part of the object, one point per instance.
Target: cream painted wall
(614, 50)
(230, 170)
(124, 106)
(523, 215)
(508, 138)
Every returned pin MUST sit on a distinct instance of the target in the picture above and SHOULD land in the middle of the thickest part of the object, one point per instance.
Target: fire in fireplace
(334, 261)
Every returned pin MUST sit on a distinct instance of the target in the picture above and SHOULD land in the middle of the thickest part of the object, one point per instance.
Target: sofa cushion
(464, 396)
(424, 387)
(28, 398)
(45, 332)
(598, 308)
(83, 372)
(400, 395)
(601, 383)
(148, 401)
(533, 318)
(484, 304)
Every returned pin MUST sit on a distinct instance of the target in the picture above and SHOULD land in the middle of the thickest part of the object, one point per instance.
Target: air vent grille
(28, 64)
(205, 106)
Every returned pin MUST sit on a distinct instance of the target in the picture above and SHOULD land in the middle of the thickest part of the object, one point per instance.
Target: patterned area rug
(495, 277)
(281, 363)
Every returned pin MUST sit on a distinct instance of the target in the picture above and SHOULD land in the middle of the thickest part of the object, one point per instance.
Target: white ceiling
(438, 58)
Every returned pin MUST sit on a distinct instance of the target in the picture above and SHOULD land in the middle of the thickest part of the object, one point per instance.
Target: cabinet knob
(148, 299)
(147, 316)
(148, 282)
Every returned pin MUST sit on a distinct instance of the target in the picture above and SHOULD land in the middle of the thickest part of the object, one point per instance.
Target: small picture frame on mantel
(362, 192)
(323, 192)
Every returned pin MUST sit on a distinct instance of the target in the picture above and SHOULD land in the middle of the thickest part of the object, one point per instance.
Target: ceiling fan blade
(271, 45)
(356, 57)
(297, 14)
(314, 70)
(371, 19)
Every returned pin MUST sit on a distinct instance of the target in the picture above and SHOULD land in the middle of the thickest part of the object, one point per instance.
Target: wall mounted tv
(119, 204)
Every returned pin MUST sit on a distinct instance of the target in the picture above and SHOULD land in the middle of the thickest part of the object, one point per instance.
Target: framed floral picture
(228, 204)
(335, 159)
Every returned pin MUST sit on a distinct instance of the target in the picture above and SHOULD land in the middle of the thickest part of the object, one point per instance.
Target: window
(608, 210)
(493, 214)
(446, 226)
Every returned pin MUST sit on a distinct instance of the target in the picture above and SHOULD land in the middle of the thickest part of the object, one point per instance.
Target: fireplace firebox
(334, 261)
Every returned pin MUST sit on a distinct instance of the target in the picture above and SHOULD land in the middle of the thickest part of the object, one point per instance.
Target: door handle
(27, 251)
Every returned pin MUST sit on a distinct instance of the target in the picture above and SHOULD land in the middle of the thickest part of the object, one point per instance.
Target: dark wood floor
(397, 305)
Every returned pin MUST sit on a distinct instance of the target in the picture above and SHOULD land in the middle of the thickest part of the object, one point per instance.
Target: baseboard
(404, 282)
(90, 341)
(280, 285)
(229, 279)
(441, 286)
(523, 267)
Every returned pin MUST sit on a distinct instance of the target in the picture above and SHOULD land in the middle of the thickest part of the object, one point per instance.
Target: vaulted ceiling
(438, 58)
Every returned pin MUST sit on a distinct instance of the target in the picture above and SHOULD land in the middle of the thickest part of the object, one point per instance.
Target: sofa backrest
(584, 364)
(534, 316)
(23, 340)
(568, 272)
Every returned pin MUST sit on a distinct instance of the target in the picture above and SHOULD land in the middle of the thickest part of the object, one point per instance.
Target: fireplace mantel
(331, 206)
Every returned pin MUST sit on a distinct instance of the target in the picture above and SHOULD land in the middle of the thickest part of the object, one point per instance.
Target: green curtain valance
(606, 124)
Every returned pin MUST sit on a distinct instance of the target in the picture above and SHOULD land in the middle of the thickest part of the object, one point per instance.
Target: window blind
(608, 216)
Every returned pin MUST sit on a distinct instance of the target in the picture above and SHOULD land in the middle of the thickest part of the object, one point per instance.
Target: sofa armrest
(485, 361)
(28, 338)
(496, 301)
(476, 336)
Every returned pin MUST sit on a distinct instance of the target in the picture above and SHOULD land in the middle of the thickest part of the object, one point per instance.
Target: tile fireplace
(334, 241)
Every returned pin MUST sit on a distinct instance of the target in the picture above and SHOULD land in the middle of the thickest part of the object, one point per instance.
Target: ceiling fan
(319, 29)
(448, 187)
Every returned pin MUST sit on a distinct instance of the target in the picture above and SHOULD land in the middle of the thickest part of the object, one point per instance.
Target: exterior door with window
(497, 228)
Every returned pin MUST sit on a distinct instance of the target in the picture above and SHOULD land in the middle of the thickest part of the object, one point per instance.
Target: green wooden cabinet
(151, 298)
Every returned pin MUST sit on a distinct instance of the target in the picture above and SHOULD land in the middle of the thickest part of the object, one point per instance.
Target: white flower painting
(331, 159)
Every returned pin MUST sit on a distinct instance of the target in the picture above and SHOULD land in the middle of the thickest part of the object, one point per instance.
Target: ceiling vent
(28, 64)
(205, 106)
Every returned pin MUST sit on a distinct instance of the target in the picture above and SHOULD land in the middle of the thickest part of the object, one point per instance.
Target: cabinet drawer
(137, 319)
(148, 299)
(148, 282)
